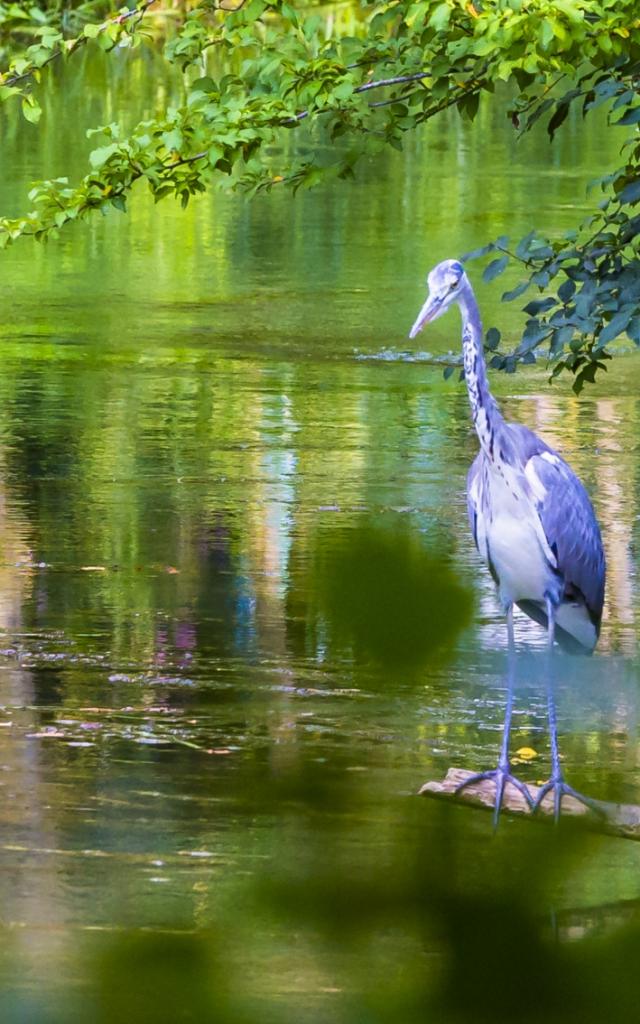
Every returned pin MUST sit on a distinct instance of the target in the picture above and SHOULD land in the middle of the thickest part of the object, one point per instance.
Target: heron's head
(445, 282)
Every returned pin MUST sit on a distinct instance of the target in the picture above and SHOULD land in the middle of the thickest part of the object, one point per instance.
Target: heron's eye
(453, 286)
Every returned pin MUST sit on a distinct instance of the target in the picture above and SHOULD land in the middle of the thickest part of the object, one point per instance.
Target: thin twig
(536, 99)
(396, 99)
(399, 80)
(514, 256)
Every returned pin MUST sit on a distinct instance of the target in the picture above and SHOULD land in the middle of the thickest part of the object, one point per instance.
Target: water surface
(193, 408)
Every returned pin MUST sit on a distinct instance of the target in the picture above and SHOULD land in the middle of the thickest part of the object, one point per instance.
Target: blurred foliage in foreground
(426, 926)
(392, 600)
(362, 907)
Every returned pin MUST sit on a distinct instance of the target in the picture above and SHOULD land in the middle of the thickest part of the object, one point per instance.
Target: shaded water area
(194, 407)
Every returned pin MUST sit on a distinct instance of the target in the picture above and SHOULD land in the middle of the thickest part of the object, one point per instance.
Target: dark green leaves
(524, 247)
(469, 105)
(279, 66)
(630, 193)
(614, 328)
(495, 268)
(476, 254)
(630, 117)
(534, 333)
(566, 290)
(560, 337)
(516, 292)
(558, 118)
(539, 306)
(492, 339)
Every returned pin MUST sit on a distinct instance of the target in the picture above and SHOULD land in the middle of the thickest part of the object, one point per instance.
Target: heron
(532, 523)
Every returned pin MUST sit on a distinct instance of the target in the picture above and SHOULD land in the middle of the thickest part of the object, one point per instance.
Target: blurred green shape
(157, 978)
(395, 602)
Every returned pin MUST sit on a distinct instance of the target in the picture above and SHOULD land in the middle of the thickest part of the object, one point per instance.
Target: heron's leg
(502, 774)
(556, 783)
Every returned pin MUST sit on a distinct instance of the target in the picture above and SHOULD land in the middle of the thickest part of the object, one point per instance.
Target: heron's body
(532, 550)
(531, 519)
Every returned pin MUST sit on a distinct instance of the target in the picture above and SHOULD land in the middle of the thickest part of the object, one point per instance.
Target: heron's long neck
(487, 418)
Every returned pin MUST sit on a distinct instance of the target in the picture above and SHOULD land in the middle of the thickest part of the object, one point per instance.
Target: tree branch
(72, 45)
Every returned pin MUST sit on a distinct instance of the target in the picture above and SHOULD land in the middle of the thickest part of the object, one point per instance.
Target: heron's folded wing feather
(570, 526)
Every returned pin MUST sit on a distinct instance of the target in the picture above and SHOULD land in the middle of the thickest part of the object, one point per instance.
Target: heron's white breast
(521, 567)
(511, 536)
(515, 540)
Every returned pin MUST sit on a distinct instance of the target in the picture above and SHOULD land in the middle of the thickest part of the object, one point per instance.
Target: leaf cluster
(586, 283)
(259, 71)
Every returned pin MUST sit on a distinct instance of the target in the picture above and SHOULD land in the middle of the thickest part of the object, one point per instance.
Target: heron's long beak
(429, 311)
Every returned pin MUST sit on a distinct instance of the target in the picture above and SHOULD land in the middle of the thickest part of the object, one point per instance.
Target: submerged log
(614, 819)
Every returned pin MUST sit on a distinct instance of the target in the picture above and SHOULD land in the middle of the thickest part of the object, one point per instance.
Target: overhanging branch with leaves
(266, 68)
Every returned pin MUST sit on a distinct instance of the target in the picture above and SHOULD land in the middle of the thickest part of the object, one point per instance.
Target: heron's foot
(560, 788)
(500, 776)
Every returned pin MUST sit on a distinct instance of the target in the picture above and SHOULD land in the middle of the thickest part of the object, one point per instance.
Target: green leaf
(494, 269)
(546, 33)
(560, 337)
(633, 329)
(289, 13)
(214, 154)
(566, 290)
(534, 333)
(586, 375)
(98, 157)
(205, 85)
(343, 90)
(7, 91)
(172, 139)
(469, 105)
(515, 292)
(440, 18)
(631, 117)
(558, 118)
(524, 246)
(31, 109)
(630, 193)
(476, 254)
(523, 78)
(537, 306)
(615, 327)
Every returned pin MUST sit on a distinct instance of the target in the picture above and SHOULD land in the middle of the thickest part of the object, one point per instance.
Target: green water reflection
(191, 406)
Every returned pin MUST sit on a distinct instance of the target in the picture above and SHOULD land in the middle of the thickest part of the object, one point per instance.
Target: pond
(194, 408)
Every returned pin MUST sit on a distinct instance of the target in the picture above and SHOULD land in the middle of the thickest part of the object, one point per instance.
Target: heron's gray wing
(570, 526)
